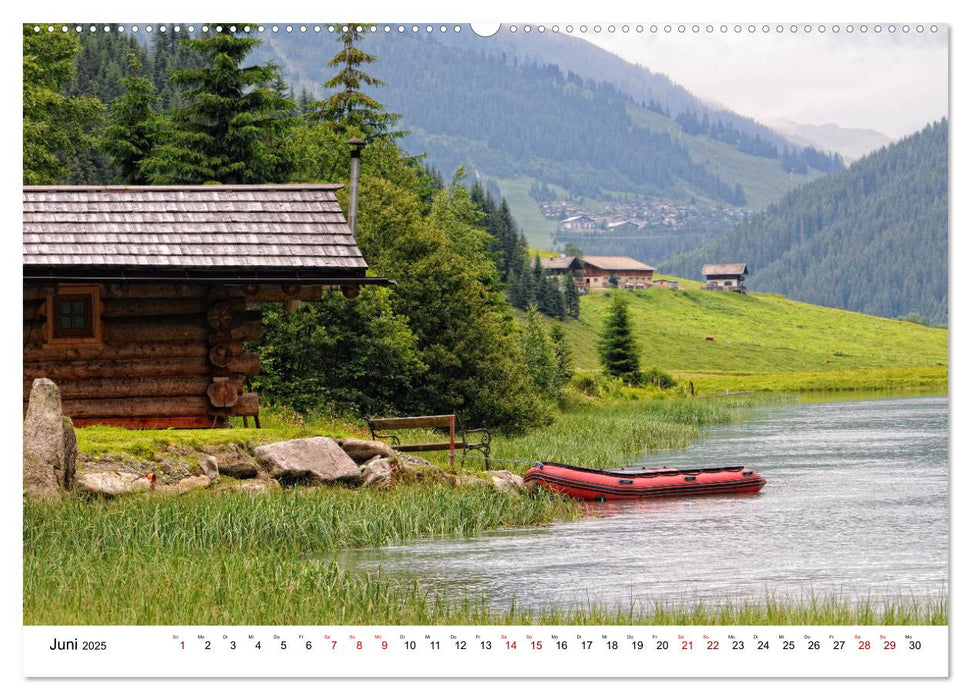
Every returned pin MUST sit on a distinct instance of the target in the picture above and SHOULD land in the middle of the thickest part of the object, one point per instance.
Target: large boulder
(362, 451)
(112, 482)
(316, 459)
(50, 448)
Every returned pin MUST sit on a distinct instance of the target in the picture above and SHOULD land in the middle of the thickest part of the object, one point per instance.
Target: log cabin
(138, 301)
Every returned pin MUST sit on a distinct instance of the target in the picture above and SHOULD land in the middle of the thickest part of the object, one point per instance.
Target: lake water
(856, 504)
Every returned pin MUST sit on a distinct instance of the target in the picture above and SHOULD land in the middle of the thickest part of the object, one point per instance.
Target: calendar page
(437, 349)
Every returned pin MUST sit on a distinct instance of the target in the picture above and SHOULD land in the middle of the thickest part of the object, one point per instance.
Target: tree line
(793, 160)
(511, 117)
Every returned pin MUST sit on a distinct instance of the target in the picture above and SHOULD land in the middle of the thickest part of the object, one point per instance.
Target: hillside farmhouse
(725, 276)
(628, 272)
(137, 300)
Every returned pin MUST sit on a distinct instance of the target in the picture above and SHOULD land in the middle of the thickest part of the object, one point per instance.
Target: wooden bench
(459, 437)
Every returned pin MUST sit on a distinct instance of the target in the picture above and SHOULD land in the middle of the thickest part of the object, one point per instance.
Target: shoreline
(216, 554)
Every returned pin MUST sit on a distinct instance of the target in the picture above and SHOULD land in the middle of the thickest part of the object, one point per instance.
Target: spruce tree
(131, 131)
(233, 124)
(348, 106)
(571, 296)
(564, 355)
(617, 347)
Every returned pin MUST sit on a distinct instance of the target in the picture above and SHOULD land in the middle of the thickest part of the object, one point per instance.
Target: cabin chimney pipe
(356, 146)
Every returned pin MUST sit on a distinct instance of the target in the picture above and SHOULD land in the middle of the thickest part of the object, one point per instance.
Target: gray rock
(362, 451)
(377, 473)
(256, 486)
(415, 469)
(45, 463)
(233, 461)
(111, 483)
(316, 459)
(210, 468)
(507, 481)
(65, 475)
(190, 483)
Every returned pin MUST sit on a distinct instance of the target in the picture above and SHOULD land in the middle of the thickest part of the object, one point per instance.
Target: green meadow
(765, 342)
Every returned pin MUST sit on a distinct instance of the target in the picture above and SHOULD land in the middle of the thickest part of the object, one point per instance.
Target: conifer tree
(571, 296)
(617, 347)
(348, 106)
(232, 126)
(521, 288)
(539, 353)
(131, 131)
(564, 355)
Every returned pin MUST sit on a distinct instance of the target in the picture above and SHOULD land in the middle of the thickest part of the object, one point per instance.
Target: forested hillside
(872, 238)
(505, 118)
(540, 110)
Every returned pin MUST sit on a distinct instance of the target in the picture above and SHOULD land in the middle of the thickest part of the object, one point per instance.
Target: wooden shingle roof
(618, 263)
(725, 269)
(560, 263)
(222, 229)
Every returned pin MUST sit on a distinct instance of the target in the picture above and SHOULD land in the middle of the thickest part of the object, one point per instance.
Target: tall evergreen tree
(55, 126)
(348, 106)
(233, 125)
(617, 347)
(539, 354)
(564, 355)
(130, 134)
(521, 293)
(571, 296)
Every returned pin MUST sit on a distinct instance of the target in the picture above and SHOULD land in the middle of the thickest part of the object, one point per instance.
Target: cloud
(892, 82)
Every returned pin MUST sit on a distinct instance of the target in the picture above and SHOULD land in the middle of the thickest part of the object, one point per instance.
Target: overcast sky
(892, 82)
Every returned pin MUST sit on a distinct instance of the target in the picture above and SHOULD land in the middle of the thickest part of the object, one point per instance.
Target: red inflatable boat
(622, 484)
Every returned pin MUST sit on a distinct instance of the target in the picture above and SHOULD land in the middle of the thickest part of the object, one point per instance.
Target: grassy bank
(230, 558)
(235, 559)
(766, 342)
(880, 379)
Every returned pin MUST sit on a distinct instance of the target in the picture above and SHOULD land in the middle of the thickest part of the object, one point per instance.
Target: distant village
(628, 217)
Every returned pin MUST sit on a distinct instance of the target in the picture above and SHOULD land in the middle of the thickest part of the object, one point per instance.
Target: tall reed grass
(615, 432)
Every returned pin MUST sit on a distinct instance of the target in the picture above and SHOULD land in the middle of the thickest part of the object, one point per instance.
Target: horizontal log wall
(167, 356)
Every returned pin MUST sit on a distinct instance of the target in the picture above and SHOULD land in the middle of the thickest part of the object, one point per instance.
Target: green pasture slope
(765, 341)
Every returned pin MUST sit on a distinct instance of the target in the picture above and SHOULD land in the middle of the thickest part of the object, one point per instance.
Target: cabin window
(74, 315)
